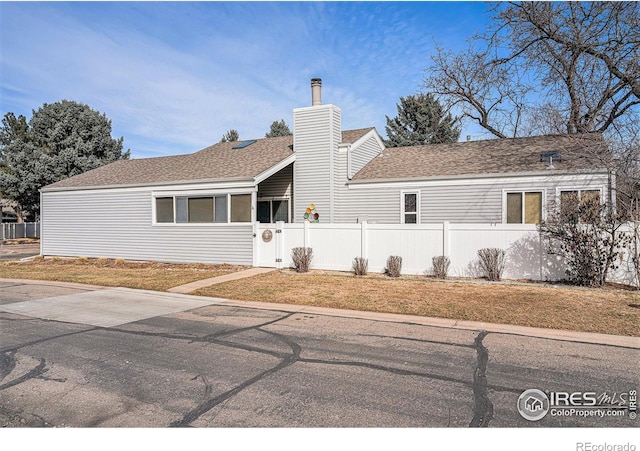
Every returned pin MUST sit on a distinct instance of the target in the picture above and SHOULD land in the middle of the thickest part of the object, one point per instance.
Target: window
(270, 211)
(241, 208)
(194, 209)
(202, 209)
(409, 206)
(579, 205)
(524, 207)
(221, 209)
(164, 209)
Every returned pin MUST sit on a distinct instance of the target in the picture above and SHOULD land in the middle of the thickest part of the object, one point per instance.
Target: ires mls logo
(533, 404)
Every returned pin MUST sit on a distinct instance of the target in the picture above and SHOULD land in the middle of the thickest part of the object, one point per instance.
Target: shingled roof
(495, 156)
(216, 162)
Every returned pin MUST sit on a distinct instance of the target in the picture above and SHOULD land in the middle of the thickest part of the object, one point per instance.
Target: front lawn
(113, 273)
(603, 310)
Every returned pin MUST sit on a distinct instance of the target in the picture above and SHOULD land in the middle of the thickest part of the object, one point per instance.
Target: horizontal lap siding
(118, 225)
(363, 154)
(316, 137)
(473, 203)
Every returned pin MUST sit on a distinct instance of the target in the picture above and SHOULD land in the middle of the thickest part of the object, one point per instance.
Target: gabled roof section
(214, 163)
(495, 156)
(351, 136)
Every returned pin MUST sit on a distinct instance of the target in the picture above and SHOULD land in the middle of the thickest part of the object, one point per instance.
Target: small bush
(119, 262)
(38, 258)
(301, 257)
(360, 266)
(55, 259)
(441, 265)
(492, 262)
(102, 261)
(394, 266)
(82, 260)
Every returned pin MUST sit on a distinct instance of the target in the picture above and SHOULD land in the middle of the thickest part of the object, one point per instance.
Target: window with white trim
(523, 207)
(203, 209)
(409, 202)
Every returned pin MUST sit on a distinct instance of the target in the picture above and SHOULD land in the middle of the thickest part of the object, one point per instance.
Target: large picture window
(203, 209)
(524, 207)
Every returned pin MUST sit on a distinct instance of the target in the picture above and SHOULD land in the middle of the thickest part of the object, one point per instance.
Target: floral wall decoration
(311, 215)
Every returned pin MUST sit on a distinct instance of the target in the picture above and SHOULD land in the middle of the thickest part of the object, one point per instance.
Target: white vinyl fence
(528, 255)
(12, 231)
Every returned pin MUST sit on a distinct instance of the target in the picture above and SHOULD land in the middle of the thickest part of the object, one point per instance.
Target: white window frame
(543, 213)
(402, 203)
(207, 193)
(270, 199)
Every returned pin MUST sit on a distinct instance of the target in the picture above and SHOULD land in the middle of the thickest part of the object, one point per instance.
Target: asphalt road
(229, 366)
(13, 251)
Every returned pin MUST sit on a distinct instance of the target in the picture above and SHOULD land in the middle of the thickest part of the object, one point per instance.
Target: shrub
(492, 262)
(441, 265)
(119, 262)
(394, 266)
(360, 266)
(589, 237)
(301, 257)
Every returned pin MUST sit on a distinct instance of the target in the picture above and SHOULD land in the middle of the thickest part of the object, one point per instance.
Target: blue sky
(174, 77)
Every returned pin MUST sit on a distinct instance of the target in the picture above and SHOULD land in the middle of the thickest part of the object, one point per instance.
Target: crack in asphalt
(35, 372)
(209, 404)
(482, 406)
(7, 363)
(42, 340)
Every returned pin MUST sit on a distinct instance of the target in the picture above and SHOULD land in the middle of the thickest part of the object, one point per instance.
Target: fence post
(445, 238)
(364, 240)
(256, 244)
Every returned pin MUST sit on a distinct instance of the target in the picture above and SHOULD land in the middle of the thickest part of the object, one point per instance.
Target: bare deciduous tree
(575, 63)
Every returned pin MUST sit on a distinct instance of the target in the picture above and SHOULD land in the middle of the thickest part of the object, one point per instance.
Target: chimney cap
(316, 91)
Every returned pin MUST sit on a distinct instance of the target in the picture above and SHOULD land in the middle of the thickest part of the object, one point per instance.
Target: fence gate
(270, 245)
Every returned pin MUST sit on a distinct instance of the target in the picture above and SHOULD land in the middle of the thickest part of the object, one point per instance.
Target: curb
(534, 332)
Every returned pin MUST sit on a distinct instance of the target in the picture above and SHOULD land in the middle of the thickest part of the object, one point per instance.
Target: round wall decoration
(267, 235)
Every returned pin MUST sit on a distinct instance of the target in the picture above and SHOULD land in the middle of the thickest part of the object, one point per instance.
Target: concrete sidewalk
(152, 304)
(189, 287)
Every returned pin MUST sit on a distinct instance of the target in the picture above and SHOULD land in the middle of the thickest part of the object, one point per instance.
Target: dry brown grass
(570, 308)
(113, 273)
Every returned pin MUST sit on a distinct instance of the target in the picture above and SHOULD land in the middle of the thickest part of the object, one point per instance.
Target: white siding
(473, 201)
(118, 224)
(316, 137)
(363, 154)
(279, 184)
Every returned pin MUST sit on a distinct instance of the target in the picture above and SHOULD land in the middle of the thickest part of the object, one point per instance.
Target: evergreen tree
(278, 128)
(231, 136)
(421, 120)
(60, 140)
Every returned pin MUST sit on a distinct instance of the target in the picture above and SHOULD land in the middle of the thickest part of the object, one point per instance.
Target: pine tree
(421, 120)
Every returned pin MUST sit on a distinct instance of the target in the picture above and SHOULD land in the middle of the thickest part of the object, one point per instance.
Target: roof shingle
(495, 156)
(215, 162)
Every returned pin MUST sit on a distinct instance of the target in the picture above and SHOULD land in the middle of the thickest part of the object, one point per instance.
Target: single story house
(202, 207)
